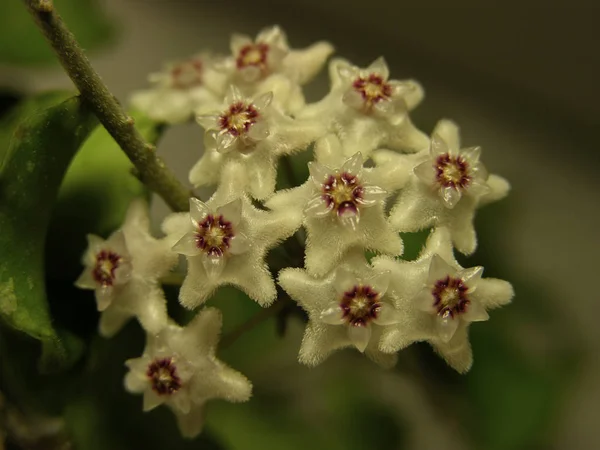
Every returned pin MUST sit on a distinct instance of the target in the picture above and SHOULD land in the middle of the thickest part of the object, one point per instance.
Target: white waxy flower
(254, 60)
(267, 64)
(226, 240)
(254, 134)
(438, 299)
(369, 90)
(125, 270)
(179, 368)
(179, 89)
(446, 186)
(347, 308)
(368, 110)
(343, 208)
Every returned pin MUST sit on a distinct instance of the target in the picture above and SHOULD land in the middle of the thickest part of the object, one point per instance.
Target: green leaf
(94, 197)
(21, 43)
(11, 119)
(32, 168)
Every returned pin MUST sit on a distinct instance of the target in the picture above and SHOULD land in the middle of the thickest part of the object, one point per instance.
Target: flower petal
(450, 196)
(233, 95)
(371, 195)
(259, 131)
(344, 281)
(333, 314)
(380, 282)
(264, 100)
(426, 173)
(232, 211)
(446, 327)
(424, 301)
(317, 207)
(152, 400)
(471, 154)
(359, 336)
(239, 244)
(86, 280)
(187, 245)
(386, 315)
(471, 276)
(213, 264)
(438, 146)
(208, 121)
(438, 270)
(238, 41)
(225, 142)
(380, 67)
(198, 211)
(349, 217)
(104, 297)
(319, 173)
(475, 312)
(353, 99)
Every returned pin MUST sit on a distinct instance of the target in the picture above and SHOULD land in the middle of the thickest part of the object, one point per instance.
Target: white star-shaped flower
(437, 300)
(343, 207)
(444, 188)
(179, 368)
(226, 240)
(268, 64)
(348, 307)
(179, 89)
(254, 134)
(369, 111)
(125, 270)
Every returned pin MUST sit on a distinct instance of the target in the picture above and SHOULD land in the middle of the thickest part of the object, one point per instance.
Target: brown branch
(151, 168)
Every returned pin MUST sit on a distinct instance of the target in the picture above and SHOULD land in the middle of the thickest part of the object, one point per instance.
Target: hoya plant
(308, 211)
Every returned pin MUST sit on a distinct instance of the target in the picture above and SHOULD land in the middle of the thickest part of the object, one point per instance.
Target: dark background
(521, 79)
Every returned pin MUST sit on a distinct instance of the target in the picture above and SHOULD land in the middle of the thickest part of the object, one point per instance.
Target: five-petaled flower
(254, 134)
(438, 300)
(343, 207)
(125, 270)
(367, 110)
(226, 240)
(444, 188)
(179, 368)
(348, 307)
(179, 90)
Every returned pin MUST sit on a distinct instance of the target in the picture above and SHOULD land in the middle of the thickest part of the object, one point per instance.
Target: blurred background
(521, 79)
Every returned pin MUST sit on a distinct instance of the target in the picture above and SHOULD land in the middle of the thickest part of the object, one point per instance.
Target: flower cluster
(373, 175)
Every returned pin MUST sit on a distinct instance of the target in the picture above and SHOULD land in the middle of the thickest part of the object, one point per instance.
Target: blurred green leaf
(516, 386)
(21, 43)
(15, 114)
(522, 366)
(8, 100)
(93, 197)
(32, 167)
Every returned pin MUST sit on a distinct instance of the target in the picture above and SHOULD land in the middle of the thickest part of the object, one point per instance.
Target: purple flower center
(187, 74)
(162, 373)
(373, 89)
(450, 296)
(214, 235)
(360, 305)
(253, 55)
(107, 263)
(452, 171)
(343, 193)
(238, 118)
